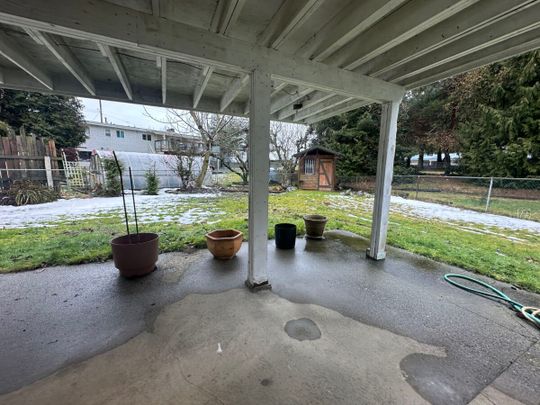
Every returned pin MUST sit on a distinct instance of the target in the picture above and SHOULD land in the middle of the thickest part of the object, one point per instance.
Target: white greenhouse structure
(140, 163)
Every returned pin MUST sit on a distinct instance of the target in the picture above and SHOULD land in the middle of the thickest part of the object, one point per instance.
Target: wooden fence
(29, 157)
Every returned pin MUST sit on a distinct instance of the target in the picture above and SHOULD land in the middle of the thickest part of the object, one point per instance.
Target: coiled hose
(532, 314)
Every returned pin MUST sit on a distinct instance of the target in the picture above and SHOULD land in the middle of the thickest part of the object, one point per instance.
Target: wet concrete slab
(60, 316)
(231, 348)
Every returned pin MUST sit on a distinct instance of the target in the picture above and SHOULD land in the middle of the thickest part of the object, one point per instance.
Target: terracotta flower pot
(315, 225)
(135, 255)
(224, 243)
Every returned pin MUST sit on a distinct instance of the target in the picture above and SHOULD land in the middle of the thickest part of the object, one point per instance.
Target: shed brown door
(326, 174)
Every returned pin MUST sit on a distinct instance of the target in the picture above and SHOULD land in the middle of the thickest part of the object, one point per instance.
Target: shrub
(152, 182)
(24, 192)
(5, 129)
(405, 171)
(112, 178)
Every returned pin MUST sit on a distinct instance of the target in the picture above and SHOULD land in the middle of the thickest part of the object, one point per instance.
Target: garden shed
(317, 169)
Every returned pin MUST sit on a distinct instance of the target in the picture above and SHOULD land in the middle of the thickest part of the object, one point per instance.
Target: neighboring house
(431, 160)
(275, 163)
(137, 148)
(108, 137)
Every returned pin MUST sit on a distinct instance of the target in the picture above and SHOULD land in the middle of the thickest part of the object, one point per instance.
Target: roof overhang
(326, 57)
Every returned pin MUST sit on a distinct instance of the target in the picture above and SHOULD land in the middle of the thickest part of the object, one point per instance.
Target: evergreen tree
(51, 116)
(429, 120)
(113, 187)
(355, 135)
(152, 182)
(500, 125)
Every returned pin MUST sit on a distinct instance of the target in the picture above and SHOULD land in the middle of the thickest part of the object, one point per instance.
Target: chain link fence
(87, 179)
(519, 198)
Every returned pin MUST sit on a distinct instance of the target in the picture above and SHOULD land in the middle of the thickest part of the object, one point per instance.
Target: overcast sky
(124, 113)
(133, 115)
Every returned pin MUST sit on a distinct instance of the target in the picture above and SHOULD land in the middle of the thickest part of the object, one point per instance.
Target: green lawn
(513, 256)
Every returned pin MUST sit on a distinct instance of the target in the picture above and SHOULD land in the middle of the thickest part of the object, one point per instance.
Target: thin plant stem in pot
(123, 194)
(133, 198)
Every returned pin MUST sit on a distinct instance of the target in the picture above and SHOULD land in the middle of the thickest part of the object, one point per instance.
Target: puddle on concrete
(350, 239)
(303, 329)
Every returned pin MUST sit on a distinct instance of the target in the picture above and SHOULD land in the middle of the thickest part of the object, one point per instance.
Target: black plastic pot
(285, 236)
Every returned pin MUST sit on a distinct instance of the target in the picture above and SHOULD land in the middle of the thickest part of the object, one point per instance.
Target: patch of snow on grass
(428, 210)
(150, 208)
(443, 212)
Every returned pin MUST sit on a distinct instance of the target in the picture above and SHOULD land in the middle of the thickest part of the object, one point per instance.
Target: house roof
(316, 149)
(326, 56)
(146, 130)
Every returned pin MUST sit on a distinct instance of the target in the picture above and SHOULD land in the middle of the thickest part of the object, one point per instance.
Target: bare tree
(186, 164)
(206, 125)
(233, 145)
(286, 140)
(231, 136)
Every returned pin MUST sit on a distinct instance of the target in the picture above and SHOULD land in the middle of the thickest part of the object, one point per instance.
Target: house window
(119, 133)
(309, 166)
(107, 132)
(84, 155)
(146, 137)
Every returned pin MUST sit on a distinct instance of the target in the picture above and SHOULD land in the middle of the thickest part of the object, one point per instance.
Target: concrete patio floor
(369, 332)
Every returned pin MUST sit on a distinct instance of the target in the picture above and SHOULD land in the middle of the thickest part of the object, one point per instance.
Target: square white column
(383, 186)
(259, 166)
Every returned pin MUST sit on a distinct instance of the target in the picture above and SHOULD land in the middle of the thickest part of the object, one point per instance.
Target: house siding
(131, 142)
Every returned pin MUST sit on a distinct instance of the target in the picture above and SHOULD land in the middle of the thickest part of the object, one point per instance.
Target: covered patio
(299, 61)
(370, 332)
(383, 331)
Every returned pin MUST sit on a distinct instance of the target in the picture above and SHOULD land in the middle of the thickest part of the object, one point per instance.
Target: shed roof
(315, 150)
(329, 56)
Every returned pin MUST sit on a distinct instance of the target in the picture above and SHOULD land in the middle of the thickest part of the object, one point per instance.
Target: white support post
(163, 80)
(489, 194)
(259, 165)
(48, 171)
(383, 187)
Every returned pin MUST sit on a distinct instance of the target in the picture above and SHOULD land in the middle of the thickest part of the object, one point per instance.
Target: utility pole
(100, 112)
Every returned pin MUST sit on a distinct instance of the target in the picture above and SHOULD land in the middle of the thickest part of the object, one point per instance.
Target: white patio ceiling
(330, 56)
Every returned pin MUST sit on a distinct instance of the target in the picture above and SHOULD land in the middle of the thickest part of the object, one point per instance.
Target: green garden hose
(532, 314)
